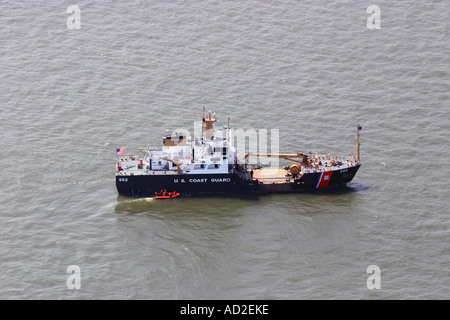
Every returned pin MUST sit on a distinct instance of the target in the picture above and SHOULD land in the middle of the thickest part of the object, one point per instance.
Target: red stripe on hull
(325, 179)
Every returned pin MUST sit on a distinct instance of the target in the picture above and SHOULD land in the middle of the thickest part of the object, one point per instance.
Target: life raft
(163, 194)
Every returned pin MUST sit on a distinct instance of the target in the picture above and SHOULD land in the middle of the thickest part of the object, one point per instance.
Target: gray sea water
(312, 69)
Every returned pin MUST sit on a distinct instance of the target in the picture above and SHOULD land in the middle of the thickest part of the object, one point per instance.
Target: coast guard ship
(209, 165)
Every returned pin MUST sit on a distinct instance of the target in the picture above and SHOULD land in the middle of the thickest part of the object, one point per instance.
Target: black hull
(147, 185)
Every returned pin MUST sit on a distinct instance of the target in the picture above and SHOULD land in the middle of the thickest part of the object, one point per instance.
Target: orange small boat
(163, 194)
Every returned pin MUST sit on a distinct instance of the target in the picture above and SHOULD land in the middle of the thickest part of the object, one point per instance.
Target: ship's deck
(139, 172)
(271, 175)
(263, 175)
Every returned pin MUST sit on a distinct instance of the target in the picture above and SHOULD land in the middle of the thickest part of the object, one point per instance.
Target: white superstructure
(212, 153)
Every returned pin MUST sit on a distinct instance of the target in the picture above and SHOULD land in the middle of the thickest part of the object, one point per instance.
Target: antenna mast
(359, 142)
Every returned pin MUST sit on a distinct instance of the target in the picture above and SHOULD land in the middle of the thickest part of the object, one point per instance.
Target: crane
(294, 169)
(176, 162)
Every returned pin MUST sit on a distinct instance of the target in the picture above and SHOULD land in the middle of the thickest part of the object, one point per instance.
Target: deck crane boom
(294, 169)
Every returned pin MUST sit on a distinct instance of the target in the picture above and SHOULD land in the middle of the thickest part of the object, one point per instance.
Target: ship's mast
(203, 120)
(358, 128)
(228, 129)
(359, 155)
(209, 120)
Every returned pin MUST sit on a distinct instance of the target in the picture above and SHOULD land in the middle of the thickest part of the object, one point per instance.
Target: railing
(141, 172)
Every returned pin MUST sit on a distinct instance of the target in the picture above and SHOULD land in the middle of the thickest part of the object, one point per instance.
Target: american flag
(121, 151)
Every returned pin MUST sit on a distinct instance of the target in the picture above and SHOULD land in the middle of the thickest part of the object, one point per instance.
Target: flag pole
(359, 155)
